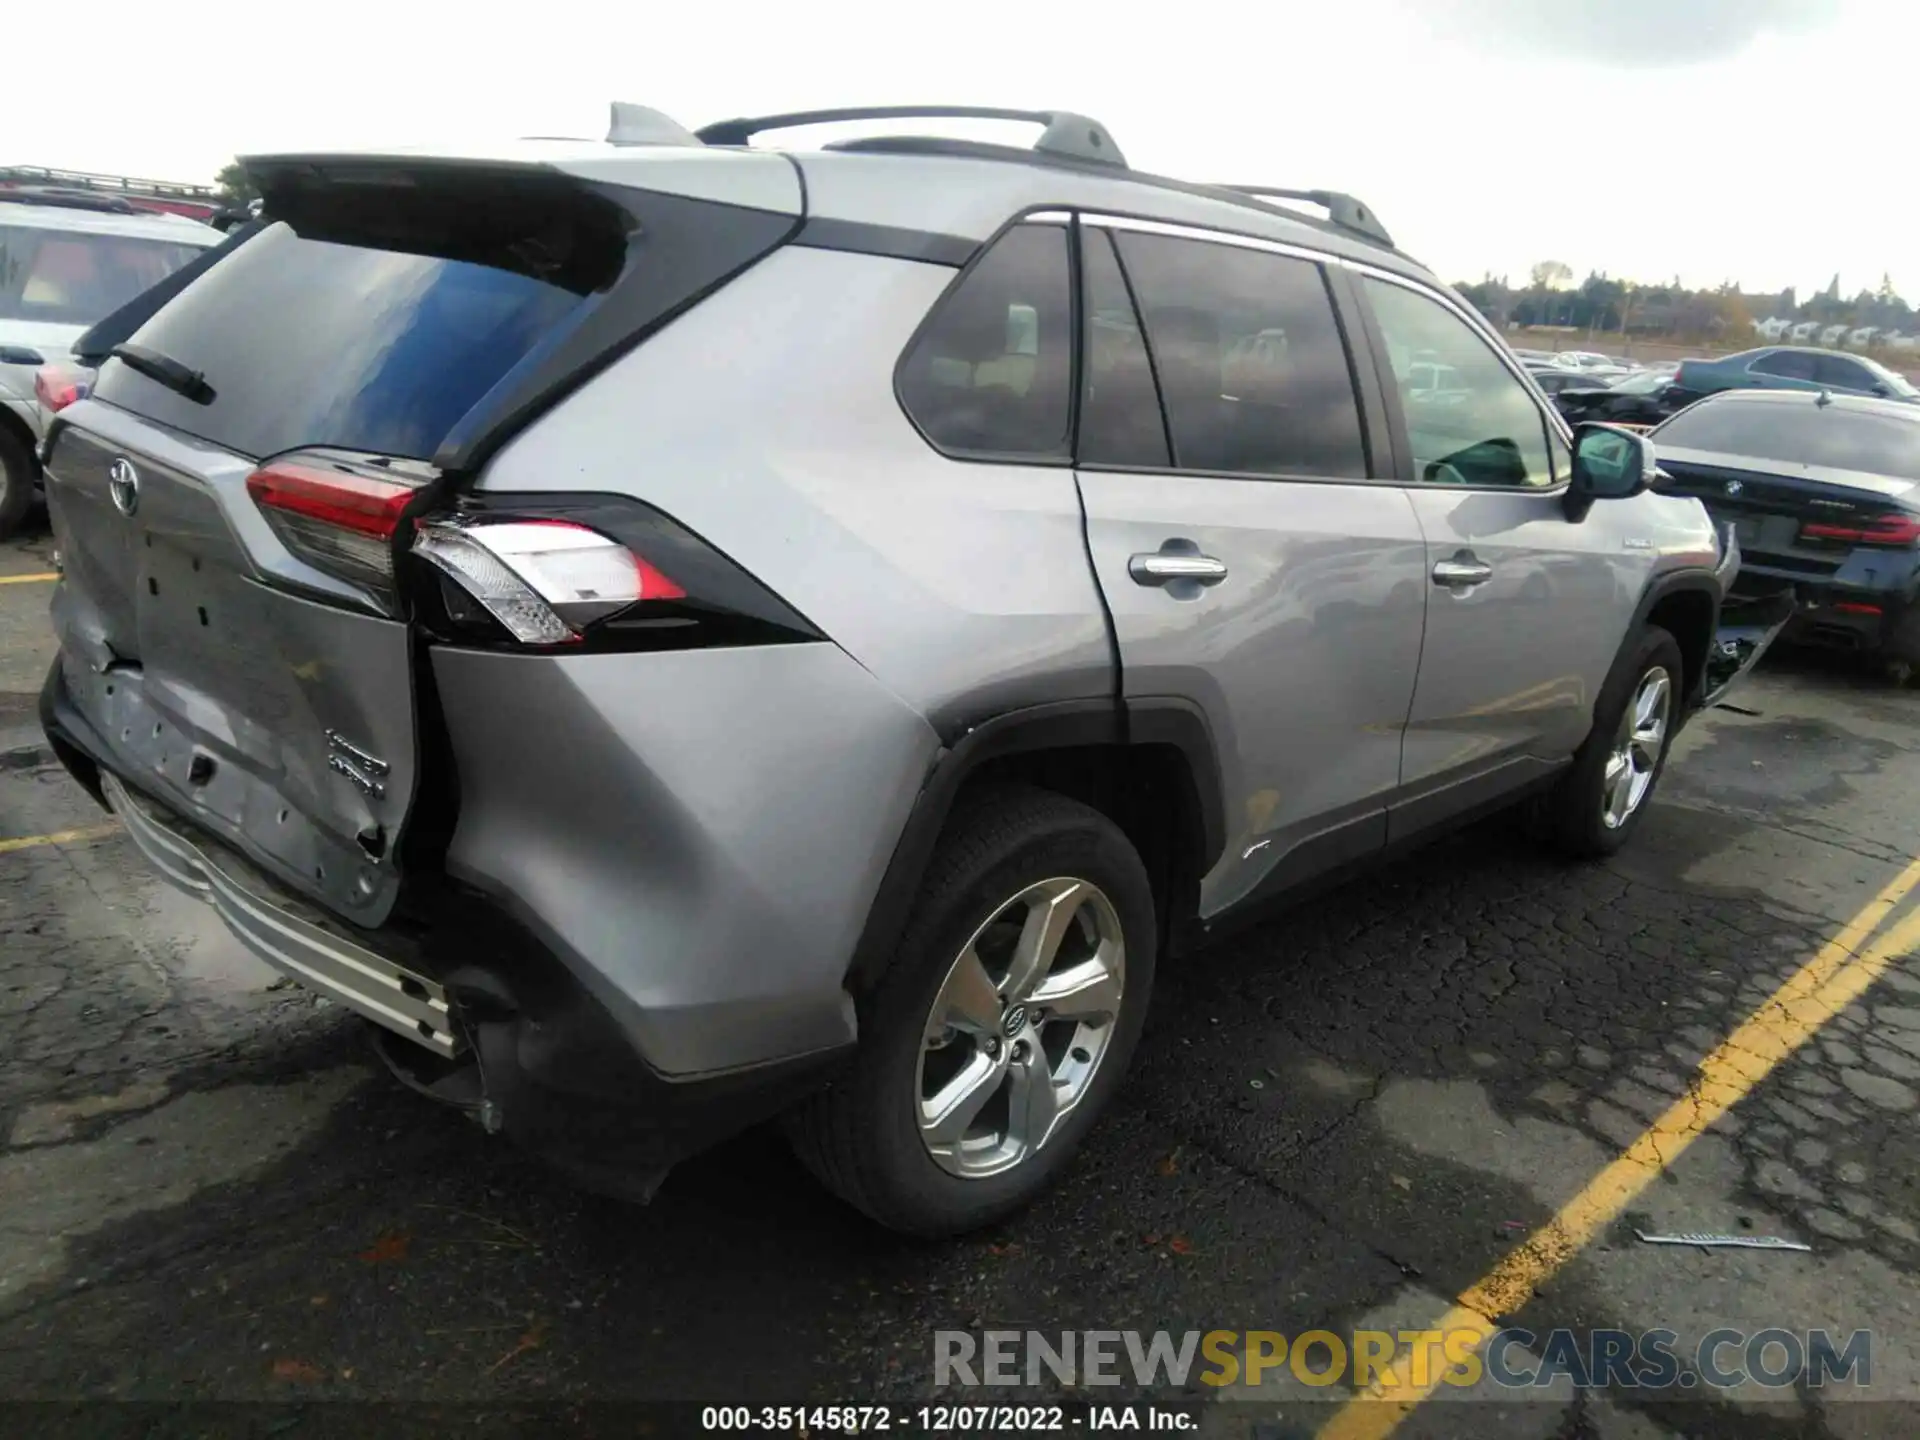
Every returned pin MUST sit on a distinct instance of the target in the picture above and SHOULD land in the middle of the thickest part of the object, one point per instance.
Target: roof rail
(69, 199)
(1066, 134)
(1345, 211)
(112, 184)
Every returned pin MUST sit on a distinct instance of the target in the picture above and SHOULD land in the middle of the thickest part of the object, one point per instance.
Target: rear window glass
(71, 277)
(992, 371)
(1800, 434)
(310, 342)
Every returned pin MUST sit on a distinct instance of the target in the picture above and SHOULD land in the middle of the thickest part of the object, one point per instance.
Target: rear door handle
(1462, 570)
(1176, 560)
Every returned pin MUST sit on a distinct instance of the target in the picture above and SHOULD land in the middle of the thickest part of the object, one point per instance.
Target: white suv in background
(66, 262)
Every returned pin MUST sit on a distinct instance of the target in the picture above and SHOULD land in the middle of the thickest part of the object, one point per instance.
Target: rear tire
(1599, 802)
(965, 1100)
(17, 471)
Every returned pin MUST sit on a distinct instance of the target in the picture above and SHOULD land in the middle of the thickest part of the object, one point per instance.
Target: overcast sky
(1755, 140)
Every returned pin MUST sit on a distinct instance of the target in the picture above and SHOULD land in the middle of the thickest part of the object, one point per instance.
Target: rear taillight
(544, 580)
(337, 512)
(1896, 530)
(58, 386)
(592, 572)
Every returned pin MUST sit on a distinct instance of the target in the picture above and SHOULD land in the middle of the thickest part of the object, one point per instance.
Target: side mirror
(1881, 389)
(1608, 464)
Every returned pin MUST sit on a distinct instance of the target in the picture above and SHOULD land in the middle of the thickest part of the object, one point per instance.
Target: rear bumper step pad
(332, 965)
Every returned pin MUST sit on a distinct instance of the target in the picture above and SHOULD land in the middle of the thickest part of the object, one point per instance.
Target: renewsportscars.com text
(1512, 1358)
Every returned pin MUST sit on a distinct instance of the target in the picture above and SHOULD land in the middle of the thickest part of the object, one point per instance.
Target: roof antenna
(643, 125)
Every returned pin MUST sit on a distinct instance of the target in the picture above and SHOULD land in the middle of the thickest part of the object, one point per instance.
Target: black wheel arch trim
(1694, 580)
(1068, 724)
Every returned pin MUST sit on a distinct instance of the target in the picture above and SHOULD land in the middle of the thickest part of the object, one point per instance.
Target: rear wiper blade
(168, 371)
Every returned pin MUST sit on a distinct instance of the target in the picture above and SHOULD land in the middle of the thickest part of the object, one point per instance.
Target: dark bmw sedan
(1823, 491)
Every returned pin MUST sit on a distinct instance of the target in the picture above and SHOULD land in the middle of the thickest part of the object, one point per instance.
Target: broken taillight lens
(592, 572)
(544, 580)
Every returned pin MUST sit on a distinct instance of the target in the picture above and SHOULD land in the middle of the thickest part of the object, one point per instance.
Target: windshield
(1825, 436)
(74, 277)
(1893, 379)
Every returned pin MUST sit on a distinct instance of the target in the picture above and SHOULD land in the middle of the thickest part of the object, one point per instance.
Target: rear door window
(990, 373)
(1252, 366)
(312, 342)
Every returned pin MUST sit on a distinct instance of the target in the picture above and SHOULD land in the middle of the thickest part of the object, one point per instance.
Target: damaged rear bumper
(289, 936)
(477, 1013)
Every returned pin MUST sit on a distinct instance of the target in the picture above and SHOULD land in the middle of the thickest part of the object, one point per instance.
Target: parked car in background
(1792, 367)
(1823, 492)
(1433, 382)
(1635, 398)
(1553, 379)
(1568, 376)
(157, 197)
(67, 260)
(1589, 360)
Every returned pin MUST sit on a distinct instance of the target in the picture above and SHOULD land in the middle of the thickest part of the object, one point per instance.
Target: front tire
(1002, 1026)
(1600, 801)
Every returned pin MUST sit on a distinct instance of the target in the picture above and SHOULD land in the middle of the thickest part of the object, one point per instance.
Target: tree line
(1601, 303)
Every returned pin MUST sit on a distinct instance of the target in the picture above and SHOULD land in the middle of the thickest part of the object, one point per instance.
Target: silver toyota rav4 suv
(678, 632)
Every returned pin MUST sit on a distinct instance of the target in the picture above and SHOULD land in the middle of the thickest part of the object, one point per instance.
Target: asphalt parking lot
(1342, 1119)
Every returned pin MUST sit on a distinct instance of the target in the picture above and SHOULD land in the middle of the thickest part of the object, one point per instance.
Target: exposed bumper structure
(509, 1033)
(275, 928)
(1752, 615)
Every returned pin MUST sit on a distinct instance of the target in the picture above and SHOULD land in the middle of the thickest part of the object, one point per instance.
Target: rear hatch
(232, 500)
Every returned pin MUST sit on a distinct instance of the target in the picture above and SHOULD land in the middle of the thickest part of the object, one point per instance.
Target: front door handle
(1462, 570)
(1177, 560)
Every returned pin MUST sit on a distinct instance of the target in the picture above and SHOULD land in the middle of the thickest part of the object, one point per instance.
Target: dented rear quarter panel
(697, 834)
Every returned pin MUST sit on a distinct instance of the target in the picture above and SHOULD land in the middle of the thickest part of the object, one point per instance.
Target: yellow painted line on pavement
(59, 837)
(28, 579)
(1838, 974)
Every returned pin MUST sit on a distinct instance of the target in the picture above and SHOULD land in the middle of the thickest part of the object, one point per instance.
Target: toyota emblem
(123, 483)
(1734, 487)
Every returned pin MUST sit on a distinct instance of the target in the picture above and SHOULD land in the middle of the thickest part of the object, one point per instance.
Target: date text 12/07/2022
(946, 1419)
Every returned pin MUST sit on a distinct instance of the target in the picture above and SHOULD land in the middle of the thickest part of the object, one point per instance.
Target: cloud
(1633, 33)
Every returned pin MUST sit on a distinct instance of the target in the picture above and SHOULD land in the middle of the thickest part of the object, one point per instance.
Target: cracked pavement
(1342, 1117)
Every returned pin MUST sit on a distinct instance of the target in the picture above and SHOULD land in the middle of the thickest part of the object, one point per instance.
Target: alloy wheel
(1637, 748)
(1020, 1027)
